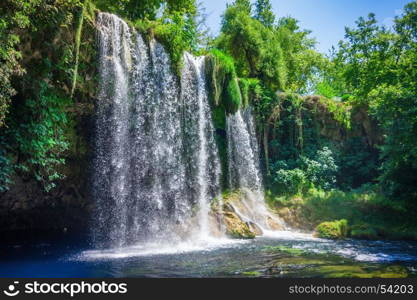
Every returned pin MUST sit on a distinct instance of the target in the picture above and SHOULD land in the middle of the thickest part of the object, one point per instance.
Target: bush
(38, 135)
(290, 181)
(333, 230)
(322, 170)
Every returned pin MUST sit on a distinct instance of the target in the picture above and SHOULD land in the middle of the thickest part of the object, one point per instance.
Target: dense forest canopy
(47, 48)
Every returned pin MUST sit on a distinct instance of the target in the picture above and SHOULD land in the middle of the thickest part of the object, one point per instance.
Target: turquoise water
(278, 255)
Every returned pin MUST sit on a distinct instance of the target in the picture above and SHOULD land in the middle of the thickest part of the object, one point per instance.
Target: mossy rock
(236, 228)
(332, 230)
(252, 273)
(224, 89)
(360, 271)
(232, 98)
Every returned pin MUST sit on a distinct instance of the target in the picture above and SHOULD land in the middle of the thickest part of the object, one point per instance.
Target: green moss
(244, 91)
(232, 99)
(234, 225)
(250, 89)
(370, 214)
(333, 230)
(224, 87)
(170, 35)
(231, 196)
(360, 271)
(236, 228)
(251, 273)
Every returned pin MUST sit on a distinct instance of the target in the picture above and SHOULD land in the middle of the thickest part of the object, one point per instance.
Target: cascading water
(156, 164)
(111, 166)
(244, 172)
(204, 165)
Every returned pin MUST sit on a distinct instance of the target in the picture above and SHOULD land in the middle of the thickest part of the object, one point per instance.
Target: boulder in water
(255, 228)
(236, 228)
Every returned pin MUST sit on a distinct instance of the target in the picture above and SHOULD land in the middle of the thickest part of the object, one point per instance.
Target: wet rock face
(26, 209)
(236, 228)
(235, 217)
(226, 221)
(254, 228)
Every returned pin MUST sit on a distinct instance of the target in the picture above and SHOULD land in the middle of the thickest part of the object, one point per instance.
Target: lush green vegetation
(36, 63)
(359, 131)
(369, 213)
(333, 230)
(346, 151)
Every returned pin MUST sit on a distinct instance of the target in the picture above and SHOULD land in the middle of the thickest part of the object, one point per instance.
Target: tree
(243, 5)
(15, 16)
(141, 9)
(396, 110)
(406, 46)
(263, 13)
(259, 54)
(367, 58)
(303, 62)
(376, 67)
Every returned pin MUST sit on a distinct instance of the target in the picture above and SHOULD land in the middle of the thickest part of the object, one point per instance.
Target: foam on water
(149, 249)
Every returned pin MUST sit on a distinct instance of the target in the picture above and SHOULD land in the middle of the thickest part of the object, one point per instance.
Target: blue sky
(326, 18)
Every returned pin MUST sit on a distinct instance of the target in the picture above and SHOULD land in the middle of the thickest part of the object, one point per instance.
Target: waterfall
(111, 166)
(244, 170)
(156, 166)
(204, 163)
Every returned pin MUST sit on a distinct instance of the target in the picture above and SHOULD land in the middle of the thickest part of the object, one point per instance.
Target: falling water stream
(244, 171)
(156, 166)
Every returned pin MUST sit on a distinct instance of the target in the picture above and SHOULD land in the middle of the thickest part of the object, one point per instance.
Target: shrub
(333, 230)
(39, 136)
(290, 181)
(322, 170)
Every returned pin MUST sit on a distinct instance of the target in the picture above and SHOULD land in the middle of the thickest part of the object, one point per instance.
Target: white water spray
(244, 171)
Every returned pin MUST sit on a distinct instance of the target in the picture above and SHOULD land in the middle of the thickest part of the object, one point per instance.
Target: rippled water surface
(279, 254)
